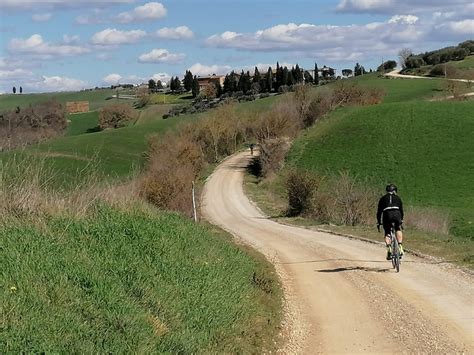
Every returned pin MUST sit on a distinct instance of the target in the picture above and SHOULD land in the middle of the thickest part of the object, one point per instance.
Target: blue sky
(57, 45)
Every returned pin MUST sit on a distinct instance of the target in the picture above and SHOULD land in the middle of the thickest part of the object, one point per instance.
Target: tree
(115, 115)
(175, 84)
(298, 74)
(151, 85)
(403, 55)
(387, 66)
(195, 87)
(256, 76)
(291, 77)
(159, 85)
(279, 77)
(284, 76)
(308, 78)
(218, 87)
(359, 70)
(316, 74)
(188, 80)
(14, 90)
(21, 90)
(347, 72)
(269, 80)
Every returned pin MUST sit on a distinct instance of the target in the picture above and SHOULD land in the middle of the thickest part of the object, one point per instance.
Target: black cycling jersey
(389, 202)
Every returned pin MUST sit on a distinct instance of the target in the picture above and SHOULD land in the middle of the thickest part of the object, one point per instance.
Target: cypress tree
(256, 76)
(195, 87)
(269, 80)
(284, 76)
(316, 74)
(188, 80)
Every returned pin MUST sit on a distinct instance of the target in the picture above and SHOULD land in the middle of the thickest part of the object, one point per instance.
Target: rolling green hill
(424, 147)
(96, 98)
(135, 281)
(122, 279)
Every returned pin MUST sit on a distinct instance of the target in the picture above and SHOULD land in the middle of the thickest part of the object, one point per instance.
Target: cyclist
(391, 208)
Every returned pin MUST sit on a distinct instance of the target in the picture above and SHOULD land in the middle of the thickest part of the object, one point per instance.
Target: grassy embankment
(123, 280)
(463, 68)
(424, 147)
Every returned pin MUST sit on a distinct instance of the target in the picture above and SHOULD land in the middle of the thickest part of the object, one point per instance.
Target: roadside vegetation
(95, 269)
(336, 170)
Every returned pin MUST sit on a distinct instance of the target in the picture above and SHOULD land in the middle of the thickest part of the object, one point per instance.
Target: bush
(414, 62)
(342, 200)
(174, 162)
(272, 155)
(32, 124)
(300, 186)
(115, 116)
(387, 66)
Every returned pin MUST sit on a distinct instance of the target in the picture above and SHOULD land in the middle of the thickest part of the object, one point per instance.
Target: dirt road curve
(342, 296)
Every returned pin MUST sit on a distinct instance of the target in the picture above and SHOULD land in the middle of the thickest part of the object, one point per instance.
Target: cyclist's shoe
(389, 253)
(401, 251)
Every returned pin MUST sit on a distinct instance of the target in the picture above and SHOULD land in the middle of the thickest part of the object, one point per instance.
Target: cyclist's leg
(398, 230)
(388, 240)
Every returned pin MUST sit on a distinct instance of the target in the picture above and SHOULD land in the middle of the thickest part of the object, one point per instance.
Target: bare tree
(403, 55)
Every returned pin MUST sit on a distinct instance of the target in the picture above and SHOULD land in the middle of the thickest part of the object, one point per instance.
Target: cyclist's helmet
(391, 188)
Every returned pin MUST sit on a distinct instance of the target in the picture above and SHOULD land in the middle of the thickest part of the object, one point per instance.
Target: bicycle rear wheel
(396, 255)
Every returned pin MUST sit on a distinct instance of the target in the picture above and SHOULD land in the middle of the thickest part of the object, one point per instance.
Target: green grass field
(464, 68)
(96, 98)
(397, 90)
(82, 123)
(167, 99)
(136, 281)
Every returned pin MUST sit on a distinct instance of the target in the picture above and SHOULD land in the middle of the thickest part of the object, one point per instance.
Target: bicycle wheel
(396, 255)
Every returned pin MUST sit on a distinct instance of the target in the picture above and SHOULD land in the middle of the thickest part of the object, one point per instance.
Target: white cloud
(203, 70)
(163, 77)
(161, 56)
(403, 6)
(54, 4)
(14, 74)
(327, 41)
(404, 19)
(112, 79)
(112, 36)
(365, 5)
(35, 46)
(180, 32)
(465, 27)
(56, 83)
(42, 17)
(147, 12)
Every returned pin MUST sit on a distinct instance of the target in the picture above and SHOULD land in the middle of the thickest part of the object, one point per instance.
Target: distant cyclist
(390, 211)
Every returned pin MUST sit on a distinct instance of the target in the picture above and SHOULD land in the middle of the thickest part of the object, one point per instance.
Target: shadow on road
(356, 268)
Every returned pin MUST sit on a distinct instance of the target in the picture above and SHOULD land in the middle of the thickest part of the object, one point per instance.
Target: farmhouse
(210, 79)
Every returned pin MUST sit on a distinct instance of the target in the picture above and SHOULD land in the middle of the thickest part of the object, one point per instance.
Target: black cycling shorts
(389, 217)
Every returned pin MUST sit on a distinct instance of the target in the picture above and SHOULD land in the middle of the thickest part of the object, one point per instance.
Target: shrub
(414, 62)
(115, 115)
(272, 154)
(32, 124)
(300, 186)
(342, 200)
(174, 161)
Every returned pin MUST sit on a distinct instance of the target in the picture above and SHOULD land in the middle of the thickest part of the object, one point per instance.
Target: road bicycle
(395, 248)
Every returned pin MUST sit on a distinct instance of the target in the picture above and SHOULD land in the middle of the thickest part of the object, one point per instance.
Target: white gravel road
(341, 295)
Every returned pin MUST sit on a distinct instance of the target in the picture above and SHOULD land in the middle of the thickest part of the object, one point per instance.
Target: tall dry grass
(32, 124)
(428, 219)
(26, 191)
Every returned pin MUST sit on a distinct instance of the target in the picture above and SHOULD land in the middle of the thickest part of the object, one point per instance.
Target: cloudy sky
(52, 45)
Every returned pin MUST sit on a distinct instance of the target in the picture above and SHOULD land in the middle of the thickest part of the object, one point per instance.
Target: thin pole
(194, 205)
